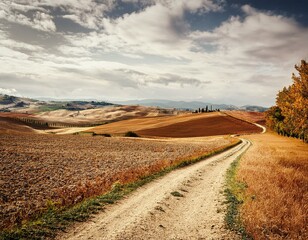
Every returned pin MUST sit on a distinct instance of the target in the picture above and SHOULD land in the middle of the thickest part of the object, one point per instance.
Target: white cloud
(260, 36)
(140, 33)
(16, 12)
(35, 13)
(87, 13)
(143, 26)
(43, 21)
(9, 91)
(154, 52)
(158, 29)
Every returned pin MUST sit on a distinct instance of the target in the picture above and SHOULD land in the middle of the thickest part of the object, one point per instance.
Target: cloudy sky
(235, 52)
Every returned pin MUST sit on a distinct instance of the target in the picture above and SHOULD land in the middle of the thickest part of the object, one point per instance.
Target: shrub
(131, 134)
(101, 134)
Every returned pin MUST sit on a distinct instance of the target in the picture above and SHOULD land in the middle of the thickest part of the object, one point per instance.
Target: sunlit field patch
(275, 170)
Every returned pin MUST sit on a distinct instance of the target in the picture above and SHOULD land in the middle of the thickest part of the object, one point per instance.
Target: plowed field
(255, 117)
(148, 122)
(39, 169)
(218, 125)
(189, 125)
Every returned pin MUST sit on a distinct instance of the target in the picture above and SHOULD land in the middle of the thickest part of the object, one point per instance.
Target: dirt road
(194, 210)
(260, 126)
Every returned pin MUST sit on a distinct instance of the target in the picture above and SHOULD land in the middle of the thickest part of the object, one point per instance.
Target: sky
(234, 52)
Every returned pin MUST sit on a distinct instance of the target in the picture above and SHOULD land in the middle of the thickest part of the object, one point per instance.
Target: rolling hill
(28, 105)
(188, 125)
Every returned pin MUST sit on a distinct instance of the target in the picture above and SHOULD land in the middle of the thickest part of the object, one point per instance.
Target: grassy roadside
(269, 186)
(234, 193)
(58, 219)
(276, 172)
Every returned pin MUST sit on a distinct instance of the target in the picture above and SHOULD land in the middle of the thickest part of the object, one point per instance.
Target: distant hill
(253, 108)
(192, 105)
(7, 102)
(13, 103)
(7, 99)
(177, 104)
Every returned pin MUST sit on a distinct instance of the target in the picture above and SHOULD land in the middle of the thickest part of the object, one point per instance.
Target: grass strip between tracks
(234, 193)
(58, 219)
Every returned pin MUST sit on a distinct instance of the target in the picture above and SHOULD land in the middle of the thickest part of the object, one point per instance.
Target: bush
(105, 135)
(131, 134)
(101, 134)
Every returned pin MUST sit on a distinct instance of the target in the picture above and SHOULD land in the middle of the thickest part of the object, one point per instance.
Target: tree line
(41, 123)
(206, 109)
(289, 117)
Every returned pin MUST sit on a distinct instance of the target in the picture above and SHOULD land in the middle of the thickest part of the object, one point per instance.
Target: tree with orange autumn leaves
(290, 115)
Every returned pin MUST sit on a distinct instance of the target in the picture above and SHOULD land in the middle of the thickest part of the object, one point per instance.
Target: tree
(274, 119)
(290, 115)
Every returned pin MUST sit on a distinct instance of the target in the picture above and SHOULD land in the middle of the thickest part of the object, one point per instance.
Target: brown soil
(254, 117)
(152, 123)
(36, 168)
(209, 126)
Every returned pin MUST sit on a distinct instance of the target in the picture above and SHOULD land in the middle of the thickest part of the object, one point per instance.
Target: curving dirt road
(152, 212)
(260, 126)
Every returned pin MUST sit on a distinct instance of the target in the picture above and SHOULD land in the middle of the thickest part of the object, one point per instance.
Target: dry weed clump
(276, 172)
(39, 171)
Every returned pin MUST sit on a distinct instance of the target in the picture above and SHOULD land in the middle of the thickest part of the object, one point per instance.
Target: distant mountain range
(11, 103)
(192, 105)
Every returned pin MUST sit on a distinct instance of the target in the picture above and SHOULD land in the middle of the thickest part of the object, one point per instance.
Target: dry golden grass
(276, 172)
(104, 114)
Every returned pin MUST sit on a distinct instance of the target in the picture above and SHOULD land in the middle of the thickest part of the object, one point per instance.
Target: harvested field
(145, 123)
(254, 117)
(104, 114)
(37, 170)
(58, 119)
(275, 171)
(189, 125)
(12, 122)
(9, 125)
